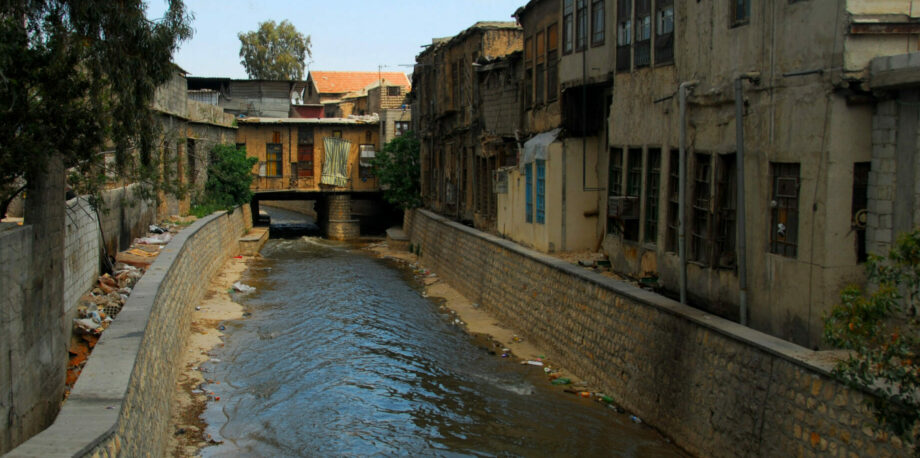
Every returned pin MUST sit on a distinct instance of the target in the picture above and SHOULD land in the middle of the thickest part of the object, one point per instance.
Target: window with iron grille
(615, 182)
(624, 34)
(366, 154)
(673, 196)
(541, 191)
(652, 182)
(700, 249)
(741, 12)
(394, 91)
(664, 32)
(597, 22)
(552, 62)
(528, 72)
(643, 33)
(273, 159)
(784, 230)
(726, 216)
(859, 205)
(305, 151)
(581, 24)
(528, 191)
(568, 22)
(540, 69)
(633, 189)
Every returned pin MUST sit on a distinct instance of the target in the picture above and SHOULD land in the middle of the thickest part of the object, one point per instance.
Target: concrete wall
(304, 207)
(126, 214)
(388, 118)
(118, 406)
(15, 393)
(716, 388)
(82, 248)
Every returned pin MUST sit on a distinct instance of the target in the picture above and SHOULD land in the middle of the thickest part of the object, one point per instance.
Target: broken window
(700, 249)
(652, 177)
(727, 191)
(643, 33)
(624, 34)
(615, 185)
(633, 190)
(664, 32)
(552, 62)
(859, 206)
(568, 12)
(581, 24)
(597, 22)
(784, 230)
(673, 196)
(273, 159)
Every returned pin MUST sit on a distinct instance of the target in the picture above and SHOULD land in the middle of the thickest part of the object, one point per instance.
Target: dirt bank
(189, 400)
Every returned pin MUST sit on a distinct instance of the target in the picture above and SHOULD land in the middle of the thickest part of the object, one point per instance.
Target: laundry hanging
(335, 162)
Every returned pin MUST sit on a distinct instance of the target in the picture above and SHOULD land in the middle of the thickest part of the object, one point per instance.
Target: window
(784, 230)
(455, 84)
(552, 62)
(394, 91)
(859, 206)
(581, 24)
(624, 34)
(652, 177)
(528, 191)
(741, 12)
(673, 196)
(597, 22)
(540, 71)
(568, 11)
(700, 247)
(633, 189)
(366, 153)
(304, 160)
(337, 133)
(191, 160)
(400, 128)
(541, 191)
(664, 32)
(643, 33)
(727, 191)
(273, 159)
(614, 183)
(528, 72)
(368, 136)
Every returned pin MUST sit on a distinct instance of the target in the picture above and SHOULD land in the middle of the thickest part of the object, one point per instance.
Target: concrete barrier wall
(82, 247)
(120, 405)
(715, 387)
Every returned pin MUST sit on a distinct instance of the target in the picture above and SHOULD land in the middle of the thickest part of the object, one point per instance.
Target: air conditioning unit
(623, 207)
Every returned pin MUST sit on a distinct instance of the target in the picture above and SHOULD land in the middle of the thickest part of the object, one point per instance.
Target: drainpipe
(741, 234)
(682, 186)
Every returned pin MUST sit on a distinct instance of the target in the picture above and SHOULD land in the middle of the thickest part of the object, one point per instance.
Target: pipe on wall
(684, 88)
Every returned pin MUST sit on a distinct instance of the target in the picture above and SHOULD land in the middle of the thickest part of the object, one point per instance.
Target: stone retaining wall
(715, 387)
(120, 404)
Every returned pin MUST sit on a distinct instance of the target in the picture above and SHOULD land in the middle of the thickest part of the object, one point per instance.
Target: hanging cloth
(536, 147)
(335, 162)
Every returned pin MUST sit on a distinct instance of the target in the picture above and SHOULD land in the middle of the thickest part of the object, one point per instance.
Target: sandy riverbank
(189, 401)
(484, 326)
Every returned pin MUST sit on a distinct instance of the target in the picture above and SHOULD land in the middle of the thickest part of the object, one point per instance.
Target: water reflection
(342, 357)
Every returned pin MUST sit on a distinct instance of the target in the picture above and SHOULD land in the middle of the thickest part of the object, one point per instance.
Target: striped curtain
(335, 162)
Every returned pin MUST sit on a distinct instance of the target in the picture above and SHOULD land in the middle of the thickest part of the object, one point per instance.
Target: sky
(348, 35)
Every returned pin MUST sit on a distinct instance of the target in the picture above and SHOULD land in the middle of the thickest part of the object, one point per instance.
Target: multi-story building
(448, 121)
(792, 75)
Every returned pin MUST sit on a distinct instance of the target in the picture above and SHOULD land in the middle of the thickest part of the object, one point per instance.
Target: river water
(342, 356)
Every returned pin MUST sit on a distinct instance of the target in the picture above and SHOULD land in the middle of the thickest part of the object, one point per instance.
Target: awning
(536, 147)
(335, 162)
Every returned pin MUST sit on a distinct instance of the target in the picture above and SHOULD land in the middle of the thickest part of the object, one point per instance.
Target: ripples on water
(342, 357)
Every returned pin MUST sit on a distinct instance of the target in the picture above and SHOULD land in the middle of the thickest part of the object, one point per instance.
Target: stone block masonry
(119, 405)
(715, 387)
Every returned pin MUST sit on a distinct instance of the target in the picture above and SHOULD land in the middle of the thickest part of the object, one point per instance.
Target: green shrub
(229, 178)
(398, 171)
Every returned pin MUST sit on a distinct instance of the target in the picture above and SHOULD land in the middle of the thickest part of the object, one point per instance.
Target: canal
(340, 354)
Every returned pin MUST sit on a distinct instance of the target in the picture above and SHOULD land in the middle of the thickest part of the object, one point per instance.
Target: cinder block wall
(715, 387)
(120, 405)
(81, 251)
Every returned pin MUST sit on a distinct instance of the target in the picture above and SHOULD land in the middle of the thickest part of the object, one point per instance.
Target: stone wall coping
(91, 413)
(789, 351)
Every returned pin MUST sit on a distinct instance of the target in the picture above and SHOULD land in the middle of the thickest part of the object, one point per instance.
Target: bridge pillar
(340, 225)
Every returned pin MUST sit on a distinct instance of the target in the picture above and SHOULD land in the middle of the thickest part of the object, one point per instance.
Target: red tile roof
(342, 82)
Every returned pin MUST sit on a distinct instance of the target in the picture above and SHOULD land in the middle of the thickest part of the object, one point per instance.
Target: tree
(882, 331)
(398, 171)
(77, 76)
(274, 51)
(229, 176)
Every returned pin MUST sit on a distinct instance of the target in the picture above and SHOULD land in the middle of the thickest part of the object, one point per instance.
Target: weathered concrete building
(449, 119)
(806, 116)
(269, 98)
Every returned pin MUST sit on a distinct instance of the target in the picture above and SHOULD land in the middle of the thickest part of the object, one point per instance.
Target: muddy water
(341, 356)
